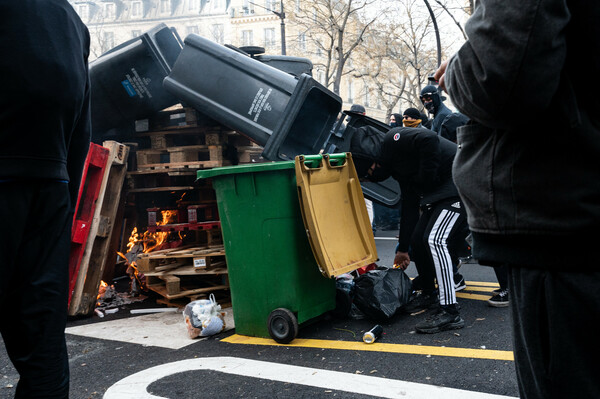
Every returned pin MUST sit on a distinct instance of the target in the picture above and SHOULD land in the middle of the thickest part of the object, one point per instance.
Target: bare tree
(335, 28)
(398, 55)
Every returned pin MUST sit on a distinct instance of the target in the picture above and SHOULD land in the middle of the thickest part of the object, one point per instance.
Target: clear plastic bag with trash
(204, 317)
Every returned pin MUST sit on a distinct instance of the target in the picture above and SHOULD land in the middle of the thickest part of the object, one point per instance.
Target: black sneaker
(440, 321)
(421, 300)
(459, 282)
(499, 300)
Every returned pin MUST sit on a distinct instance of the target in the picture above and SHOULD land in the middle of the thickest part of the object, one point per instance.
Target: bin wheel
(283, 325)
(343, 304)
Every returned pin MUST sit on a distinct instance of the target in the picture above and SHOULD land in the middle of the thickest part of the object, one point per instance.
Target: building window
(247, 38)
(247, 8)
(136, 33)
(366, 100)
(191, 29)
(193, 5)
(321, 77)
(84, 12)
(269, 37)
(272, 5)
(136, 9)
(218, 4)
(110, 11)
(350, 95)
(218, 33)
(319, 51)
(302, 41)
(108, 41)
(165, 6)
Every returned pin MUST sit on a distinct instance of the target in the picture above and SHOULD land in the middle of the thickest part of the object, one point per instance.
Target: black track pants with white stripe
(441, 230)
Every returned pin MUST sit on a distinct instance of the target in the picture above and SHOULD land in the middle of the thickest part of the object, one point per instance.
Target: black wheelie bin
(286, 115)
(126, 82)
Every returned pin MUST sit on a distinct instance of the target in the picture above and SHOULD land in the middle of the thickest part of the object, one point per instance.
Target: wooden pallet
(97, 249)
(173, 118)
(182, 166)
(200, 258)
(250, 154)
(192, 153)
(185, 273)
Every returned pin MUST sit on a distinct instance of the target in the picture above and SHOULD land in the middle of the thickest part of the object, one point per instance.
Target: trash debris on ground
(204, 317)
(380, 293)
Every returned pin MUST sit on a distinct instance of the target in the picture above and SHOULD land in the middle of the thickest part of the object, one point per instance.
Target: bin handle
(315, 161)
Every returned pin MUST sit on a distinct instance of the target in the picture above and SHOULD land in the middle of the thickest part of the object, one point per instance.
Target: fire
(148, 242)
(102, 289)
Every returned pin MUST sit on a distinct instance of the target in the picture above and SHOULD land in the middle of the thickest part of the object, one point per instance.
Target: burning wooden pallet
(97, 246)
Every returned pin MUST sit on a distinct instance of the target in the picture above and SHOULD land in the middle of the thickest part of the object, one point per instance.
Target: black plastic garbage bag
(380, 293)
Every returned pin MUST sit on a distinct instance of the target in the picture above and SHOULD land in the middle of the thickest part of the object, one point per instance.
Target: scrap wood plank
(95, 254)
(186, 252)
(184, 165)
(162, 290)
(189, 270)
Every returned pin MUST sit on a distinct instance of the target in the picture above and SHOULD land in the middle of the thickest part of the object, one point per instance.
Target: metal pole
(437, 34)
(282, 16)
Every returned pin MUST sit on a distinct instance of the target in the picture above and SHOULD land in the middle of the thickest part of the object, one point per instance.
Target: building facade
(235, 22)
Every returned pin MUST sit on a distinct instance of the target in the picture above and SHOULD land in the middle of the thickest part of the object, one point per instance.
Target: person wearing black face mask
(433, 221)
(433, 102)
(395, 120)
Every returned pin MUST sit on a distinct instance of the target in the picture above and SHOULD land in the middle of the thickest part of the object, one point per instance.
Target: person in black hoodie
(395, 120)
(532, 191)
(44, 139)
(432, 216)
(433, 102)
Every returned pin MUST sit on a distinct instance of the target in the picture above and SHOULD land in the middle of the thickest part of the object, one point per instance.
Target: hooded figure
(431, 99)
(397, 122)
(433, 222)
(365, 147)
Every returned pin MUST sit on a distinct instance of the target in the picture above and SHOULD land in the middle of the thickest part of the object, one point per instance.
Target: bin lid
(247, 168)
(334, 213)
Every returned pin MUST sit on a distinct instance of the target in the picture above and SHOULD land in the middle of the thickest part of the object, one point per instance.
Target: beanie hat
(358, 108)
(429, 89)
(413, 113)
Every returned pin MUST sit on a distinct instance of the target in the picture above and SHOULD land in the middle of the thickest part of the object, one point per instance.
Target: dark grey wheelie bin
(288, 116)
(126, 81)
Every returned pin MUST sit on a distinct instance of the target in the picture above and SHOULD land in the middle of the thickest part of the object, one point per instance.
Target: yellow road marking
(483, 284)
(477, 297)
(377, 347)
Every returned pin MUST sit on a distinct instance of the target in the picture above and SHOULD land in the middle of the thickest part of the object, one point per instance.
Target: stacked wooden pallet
(186, 273)
(169, 149)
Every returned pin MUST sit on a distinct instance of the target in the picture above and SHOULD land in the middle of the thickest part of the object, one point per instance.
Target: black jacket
(534, 185)
(44, 91)
(421, 162)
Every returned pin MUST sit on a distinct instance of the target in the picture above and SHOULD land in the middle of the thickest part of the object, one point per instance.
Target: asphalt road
(328, 359)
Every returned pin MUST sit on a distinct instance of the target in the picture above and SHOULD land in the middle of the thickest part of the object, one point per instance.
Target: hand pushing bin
(127, 80)
(274, 278)
(285, 115)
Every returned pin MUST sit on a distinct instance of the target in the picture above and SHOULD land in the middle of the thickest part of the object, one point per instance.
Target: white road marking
(165, 330)
(135, 386)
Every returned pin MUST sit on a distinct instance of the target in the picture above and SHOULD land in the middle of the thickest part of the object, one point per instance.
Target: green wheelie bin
(273, 276)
